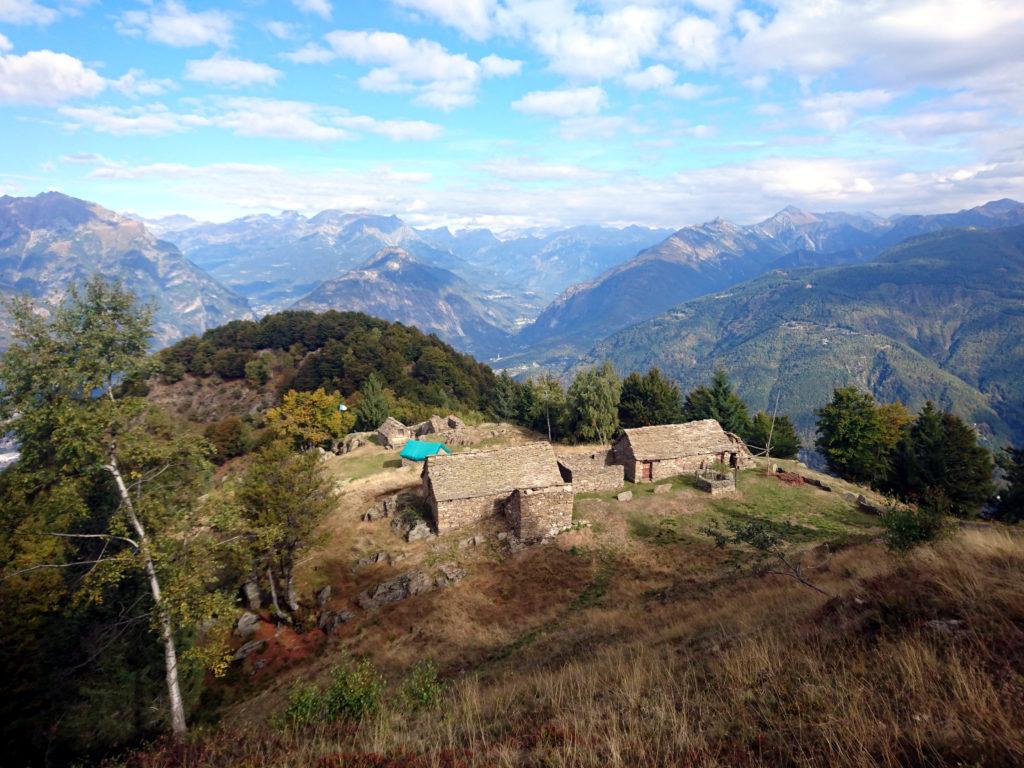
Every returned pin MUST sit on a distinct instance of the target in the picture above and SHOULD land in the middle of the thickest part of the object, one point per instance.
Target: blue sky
(514, 113)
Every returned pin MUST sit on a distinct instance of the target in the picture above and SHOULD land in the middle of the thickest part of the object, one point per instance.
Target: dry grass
(742, 672)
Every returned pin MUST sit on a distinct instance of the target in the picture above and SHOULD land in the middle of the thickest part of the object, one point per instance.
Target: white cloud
(282, 30)
(696, 42)
(833, 111)
(500, 67)
(46, 78)
(439, 78)
(565, 102)
(472, 17)
(743, 192)
(224, 70)
(271, 118)
(134, 83)
(396, 130)
(150, 120)
(655, 76)
(933, 125)
(173, 24)
(249, 116)
(5, 44)
(525, 169)
(310, 53)
(26, 12)
(595, 47)
(663, 79)
(893, 41)
(320, 8)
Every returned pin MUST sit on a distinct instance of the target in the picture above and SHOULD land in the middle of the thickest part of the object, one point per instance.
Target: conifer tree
(939, 456)
(373, 409)
(852, 437)
(719, 402)
(784, 443)
(593, 400)
(649, 400)
(1011, 501)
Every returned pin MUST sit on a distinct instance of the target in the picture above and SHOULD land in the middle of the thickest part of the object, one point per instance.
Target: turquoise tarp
(418, 450)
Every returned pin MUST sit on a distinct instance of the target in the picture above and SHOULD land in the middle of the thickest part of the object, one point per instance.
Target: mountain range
(394, 285)
(706, 258)
(910, 307)
(50, 241)
(939, 316)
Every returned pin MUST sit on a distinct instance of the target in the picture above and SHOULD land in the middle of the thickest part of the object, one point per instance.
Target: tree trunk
(178, 724)
(251, 592)
(273, 596)
(547, 413)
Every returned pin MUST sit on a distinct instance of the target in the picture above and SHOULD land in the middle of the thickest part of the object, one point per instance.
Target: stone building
(589, 472)
(436, 425)
(520, 482)
(655, 453)
(393, 433)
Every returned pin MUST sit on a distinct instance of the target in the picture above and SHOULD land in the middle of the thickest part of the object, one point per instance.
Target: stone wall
(458, 513)
(597, 477)
(537, 514)
(666, 468)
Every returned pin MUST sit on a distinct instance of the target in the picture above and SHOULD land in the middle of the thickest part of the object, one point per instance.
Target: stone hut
(521, 482)
(649, 454)
(393, 433)
(437, 425)
(588, 472)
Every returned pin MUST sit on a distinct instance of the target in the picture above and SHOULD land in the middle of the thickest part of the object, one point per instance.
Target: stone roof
(575, 461)
(392, 427)
(493, 472)
(674, 441)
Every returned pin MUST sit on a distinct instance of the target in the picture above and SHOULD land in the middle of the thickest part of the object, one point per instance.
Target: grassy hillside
(633, 641)
(939, 317)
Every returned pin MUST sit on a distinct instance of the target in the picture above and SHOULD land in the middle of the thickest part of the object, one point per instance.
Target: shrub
(230, 436)
(354, 693)
(422, 689)
(909, 526)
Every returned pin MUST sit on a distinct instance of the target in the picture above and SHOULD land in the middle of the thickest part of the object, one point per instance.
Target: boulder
(663, 488)
(451, 573)
(329, 621)
(851, 497)
(376, 557)
(419, 532)
(247, 649)
(625, 496)
(391, 591)
(247, 625)
(322, 596)
(473, 541)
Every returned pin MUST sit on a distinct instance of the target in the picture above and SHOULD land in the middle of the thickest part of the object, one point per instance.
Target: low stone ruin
(715, 483)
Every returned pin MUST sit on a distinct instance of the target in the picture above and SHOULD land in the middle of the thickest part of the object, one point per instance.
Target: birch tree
(107, 483)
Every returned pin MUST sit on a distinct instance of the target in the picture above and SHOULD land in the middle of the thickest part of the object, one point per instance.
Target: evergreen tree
(373, 409)
(1010, 508)
(593, 399)
(784, 441)
(649, 400)
(853, 438)
(284, 497)
(939, 457)
(506, 398)
(719, 402)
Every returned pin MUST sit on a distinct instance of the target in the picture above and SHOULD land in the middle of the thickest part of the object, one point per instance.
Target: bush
(354, 693)
(422, 689)
(230, 436)
(908, 526)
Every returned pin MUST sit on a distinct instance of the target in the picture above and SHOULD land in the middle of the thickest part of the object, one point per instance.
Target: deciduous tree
(310, 419)
(593, 399)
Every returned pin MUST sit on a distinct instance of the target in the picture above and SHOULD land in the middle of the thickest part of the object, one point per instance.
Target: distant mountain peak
(392, 258)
